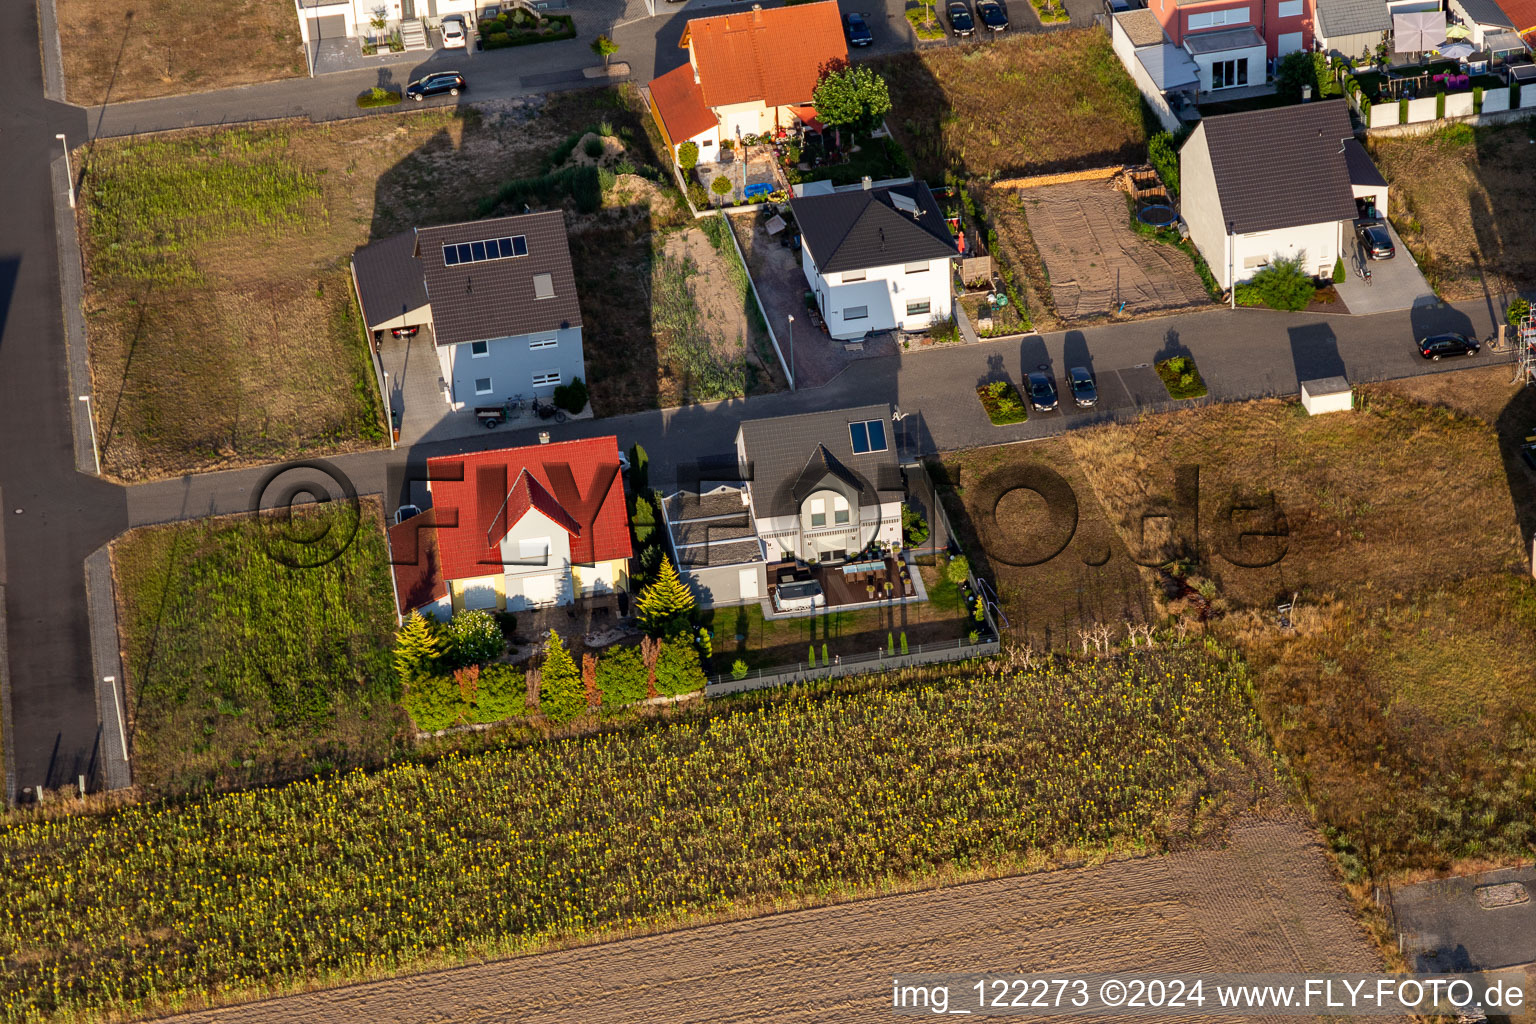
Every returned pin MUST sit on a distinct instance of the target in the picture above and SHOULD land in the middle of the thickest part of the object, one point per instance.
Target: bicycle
(547, 411)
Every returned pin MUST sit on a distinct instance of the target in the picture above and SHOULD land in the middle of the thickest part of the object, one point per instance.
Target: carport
(1365, 180)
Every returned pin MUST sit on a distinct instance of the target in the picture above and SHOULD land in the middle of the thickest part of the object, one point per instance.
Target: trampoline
(1157, 215)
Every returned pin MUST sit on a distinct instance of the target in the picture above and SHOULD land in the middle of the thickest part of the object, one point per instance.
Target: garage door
(332, 26)
(539, 590)
(1289, 42)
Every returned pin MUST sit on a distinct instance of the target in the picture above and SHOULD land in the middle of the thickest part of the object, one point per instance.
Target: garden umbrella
(1418, 31)
(1456, 51)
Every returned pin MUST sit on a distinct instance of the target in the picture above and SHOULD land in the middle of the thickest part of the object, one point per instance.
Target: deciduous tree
(851, 97)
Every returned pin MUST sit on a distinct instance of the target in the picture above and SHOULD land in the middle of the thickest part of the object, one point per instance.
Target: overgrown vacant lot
(787, 797)
(1403, 697)
(1030, 103)
(240, 668)
(115, 52)
(1461, 201)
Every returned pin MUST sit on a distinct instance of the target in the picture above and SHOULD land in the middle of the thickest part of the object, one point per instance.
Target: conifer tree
(666, 605)
(416, 647)
(561, 694)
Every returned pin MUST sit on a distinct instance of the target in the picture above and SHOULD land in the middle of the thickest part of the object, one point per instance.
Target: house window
(850, 276)
(534, 551)
(1225, 74)
(917, 268)
(544, 341)
(483, 386)
(856, 313)
(1217, 19)
(867, 436)
(818, 512)
(1290, 8)
(548, 379)
(706, 143)
(479, 349)
(919, 308)
(839, 509)
(1250, 262)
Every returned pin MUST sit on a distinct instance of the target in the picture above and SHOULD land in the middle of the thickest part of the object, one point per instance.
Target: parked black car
(858, 31)
(992, 15)
(450, 82)
(1437, 346)
(960, 21)
(1375, 240)
(1084, 391)
(1042, 391)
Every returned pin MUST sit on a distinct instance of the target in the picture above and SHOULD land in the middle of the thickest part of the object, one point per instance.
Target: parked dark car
(1084, 391)
(1528, 453)
(1042, 391)
(960, 21)
(450, 82)
(992, 15)
(1437, 346)
(1375, 240)
(858, 31)
(1114, 7)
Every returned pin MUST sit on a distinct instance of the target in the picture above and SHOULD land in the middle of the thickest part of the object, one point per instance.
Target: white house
(1352, 28)
(334, 19)
(1268, 183)
(496, 297)
(1165, 74)
(748, 73)
(515, 529)
(877, 258)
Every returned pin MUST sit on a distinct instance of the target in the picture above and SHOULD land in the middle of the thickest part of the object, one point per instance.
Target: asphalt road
(53, 517)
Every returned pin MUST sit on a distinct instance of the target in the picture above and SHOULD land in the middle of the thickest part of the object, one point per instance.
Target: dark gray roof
(1281, 167)
(722, 501)
(1352, 17)
(863, 228)
(780, 450)
(1223, 39)
(1362, 170)
(712, 531)
(729, 553)
(1486, 12)
(389, 278)
(494, 298)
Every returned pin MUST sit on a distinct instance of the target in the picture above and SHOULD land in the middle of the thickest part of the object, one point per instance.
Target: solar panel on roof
(506, 248)
(903, 203)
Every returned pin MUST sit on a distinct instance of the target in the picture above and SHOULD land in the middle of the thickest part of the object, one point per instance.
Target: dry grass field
(1266, 901)
(221, 318)
(1461, 202)
(1403, 697)
(1030, 103)
(115, 52)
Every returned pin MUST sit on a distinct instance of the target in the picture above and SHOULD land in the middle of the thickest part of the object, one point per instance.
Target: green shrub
(1338, 271)
(502, 694)
(721, 186)
(914, 528)
(1440, 103)
(639, 469)
(1518, 310)
(586, 189)
(379, 96)
(1477, 99)
(1281, 285)
(472, 637)
(593, 148)
(606, 179)
(1002, 402)
(738, 669)
(688, 156)
(697, 196)
(643, 521)
(677, 669)
(571, 397)
(1402, 110)
(1181, 377)
(1164, 159)
(433, 702)
(621, 677)
(958, 570)
(561, 694)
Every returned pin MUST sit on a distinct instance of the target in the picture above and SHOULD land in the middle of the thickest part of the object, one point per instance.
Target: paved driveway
(1395, 284)
(1446, 926)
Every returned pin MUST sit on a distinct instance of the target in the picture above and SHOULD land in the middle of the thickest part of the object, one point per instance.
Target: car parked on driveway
(455, 34)
(992, 15)
(1042, 391)
(450, 82)
(858, 31)
(1438, 346)
(960, 21)
(1084, 391)
(1375, 240)
(1114, 7)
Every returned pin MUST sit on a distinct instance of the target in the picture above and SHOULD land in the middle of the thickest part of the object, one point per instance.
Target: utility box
(1329, 394)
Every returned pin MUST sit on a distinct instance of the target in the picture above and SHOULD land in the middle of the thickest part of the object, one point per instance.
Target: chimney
(543, 437)
(869, 183)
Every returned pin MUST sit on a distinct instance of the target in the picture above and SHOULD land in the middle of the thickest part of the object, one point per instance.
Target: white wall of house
(536, 553)
(1121, 44)
(1256, 57)
(1318, 245)
(794, 536)
(1351, 45)
(531, 365)
(911, 296)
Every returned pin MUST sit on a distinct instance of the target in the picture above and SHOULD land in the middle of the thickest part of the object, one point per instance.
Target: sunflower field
(779, 798)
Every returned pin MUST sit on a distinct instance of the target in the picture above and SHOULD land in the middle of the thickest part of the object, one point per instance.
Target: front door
(539, 590)
(407, 10)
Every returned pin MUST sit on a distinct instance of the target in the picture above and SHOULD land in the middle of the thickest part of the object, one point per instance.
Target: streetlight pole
(67, 172)
(1232, 263)
(791, 318)
(90, 424)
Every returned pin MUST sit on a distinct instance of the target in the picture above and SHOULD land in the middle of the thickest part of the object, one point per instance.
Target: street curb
(72, 289)
(111, 725)
(53, 54)
(7, 731)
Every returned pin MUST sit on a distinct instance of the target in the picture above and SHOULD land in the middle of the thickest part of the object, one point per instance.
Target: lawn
(1460, 202)
(221, 319)
(787, 798)
(766, 643)
(240, 669)
(118, 52)
(1025, 104)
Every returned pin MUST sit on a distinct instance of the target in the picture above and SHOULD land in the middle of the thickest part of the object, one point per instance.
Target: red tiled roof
(416, 561)
(681, 105)
(575, 483)
(1522, 13)
(775, 55)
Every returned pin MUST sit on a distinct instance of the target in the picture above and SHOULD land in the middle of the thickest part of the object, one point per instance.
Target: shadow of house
(1517, 421)
(1315, 352)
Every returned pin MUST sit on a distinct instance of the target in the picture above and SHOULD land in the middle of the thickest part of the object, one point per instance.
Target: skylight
(867, 436)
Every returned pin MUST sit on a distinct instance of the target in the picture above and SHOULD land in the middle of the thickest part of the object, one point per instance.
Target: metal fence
(877, 661)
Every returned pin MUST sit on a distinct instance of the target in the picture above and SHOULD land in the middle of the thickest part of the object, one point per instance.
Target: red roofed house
(514, 529)
(747, 71)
